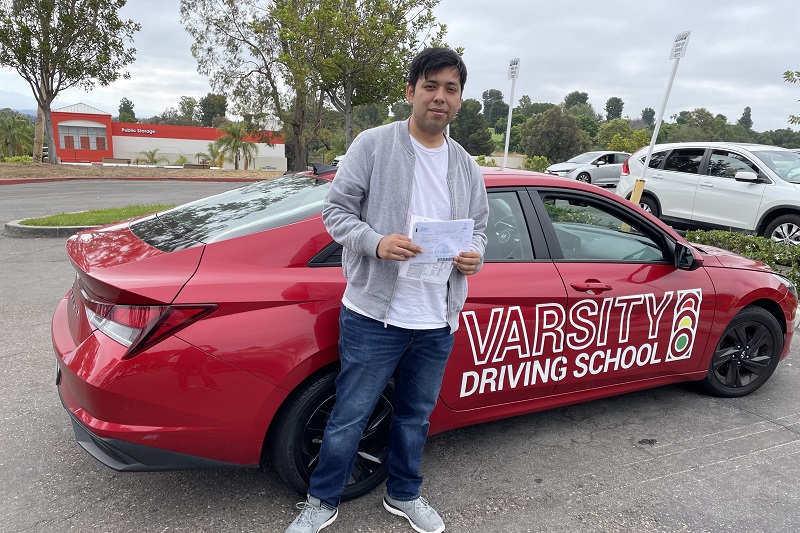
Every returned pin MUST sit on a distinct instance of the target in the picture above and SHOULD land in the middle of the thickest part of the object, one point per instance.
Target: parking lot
(668, 459)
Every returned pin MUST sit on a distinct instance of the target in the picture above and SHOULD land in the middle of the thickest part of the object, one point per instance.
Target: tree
(214, 155)
(792, 77)
(59, 44)
(126, 113)
(746, 121)
(238, 44)
(401, 110)
(187, 107)
(527, 108)
(355, 51)
(574, 98)
(470, 129)
(493, 106)
(235, 144)
(16, 134)
(614, 107)
(212, 105)
(554, 135)
(649, 116)
(369, 116)
(607, 131)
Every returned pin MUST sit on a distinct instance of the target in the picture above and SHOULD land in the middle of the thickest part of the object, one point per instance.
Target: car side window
(725, 164)
(507, 237)
(655, 159)
(620, 158)
(686, 160)
(591, 231)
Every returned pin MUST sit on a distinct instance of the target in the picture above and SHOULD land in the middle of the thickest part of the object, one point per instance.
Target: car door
(722, 201)
(608, 173)
(497, 357)
(675, 182)
(631, 315)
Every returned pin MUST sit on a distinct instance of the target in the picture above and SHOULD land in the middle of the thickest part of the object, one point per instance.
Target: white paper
(441, 241)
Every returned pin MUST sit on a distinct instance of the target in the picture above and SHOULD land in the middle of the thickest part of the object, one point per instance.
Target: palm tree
(16, 135)
(233, 143)
(215, 155)
(151, 157)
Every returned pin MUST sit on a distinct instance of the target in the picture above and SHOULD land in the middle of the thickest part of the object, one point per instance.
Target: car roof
(716, 144)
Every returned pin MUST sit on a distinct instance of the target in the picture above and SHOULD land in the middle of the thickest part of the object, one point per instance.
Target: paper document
(441, 241)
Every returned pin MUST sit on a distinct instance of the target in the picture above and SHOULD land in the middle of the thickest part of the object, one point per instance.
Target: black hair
(434, 60)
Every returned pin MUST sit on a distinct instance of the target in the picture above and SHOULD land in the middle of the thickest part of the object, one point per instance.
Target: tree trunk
(349, 115)
(38, 136)
(52, 148)
(298, 124)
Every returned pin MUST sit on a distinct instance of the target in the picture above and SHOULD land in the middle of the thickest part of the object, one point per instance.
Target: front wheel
(746, 355)
(584, 177)
(296, 437)
(784, 230)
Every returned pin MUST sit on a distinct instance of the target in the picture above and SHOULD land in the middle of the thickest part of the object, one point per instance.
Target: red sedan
(206, 335)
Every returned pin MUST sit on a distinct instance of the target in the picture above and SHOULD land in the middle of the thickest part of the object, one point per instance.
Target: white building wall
(268, 158)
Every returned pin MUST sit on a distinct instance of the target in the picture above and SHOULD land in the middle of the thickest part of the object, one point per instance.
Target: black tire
(296, 436)
(785, 229)
(746, 355)
(584, 177)
(650, 205)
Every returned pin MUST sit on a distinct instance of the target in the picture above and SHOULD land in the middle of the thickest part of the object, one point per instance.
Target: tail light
(138, 327)
(626, 170)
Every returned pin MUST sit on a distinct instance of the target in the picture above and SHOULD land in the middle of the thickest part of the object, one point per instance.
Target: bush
(482, 161)
(537, 163)
(17, 159)
(783, 258)
(180, 161)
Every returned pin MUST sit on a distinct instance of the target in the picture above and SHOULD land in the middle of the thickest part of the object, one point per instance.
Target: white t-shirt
(417, 304)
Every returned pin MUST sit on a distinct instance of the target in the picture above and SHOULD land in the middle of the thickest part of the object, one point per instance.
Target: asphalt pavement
(663, 460)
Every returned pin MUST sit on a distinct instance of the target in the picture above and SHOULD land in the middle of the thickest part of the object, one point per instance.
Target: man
(393, 326)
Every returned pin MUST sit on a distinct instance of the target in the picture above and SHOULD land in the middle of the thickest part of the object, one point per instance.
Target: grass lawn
(96, 217)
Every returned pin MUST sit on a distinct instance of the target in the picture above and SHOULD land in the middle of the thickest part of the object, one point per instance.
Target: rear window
(686, 160)
(261, 206)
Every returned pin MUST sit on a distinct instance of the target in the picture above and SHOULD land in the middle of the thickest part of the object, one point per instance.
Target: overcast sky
(736, 55)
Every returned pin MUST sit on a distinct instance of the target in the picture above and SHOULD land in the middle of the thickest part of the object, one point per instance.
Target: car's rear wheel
(584, 177)
(746, 355)
(785, 230)
(296, 437)
(649, 204)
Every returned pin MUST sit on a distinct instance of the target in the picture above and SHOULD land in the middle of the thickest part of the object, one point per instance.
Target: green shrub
(180, 161)
(17, 159)
(783, 258)
(482, 161)
(537, 163)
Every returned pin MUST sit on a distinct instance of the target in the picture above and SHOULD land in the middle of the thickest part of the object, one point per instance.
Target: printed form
(441, 241)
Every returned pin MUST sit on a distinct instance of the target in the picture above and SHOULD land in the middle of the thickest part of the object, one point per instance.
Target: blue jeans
(371, 354)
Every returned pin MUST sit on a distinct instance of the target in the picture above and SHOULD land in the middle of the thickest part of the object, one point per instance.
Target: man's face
(435, 99)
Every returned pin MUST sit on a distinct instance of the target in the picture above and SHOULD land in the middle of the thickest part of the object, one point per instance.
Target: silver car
(600, 168)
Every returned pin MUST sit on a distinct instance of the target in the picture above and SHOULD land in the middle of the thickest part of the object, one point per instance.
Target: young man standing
(392, 326)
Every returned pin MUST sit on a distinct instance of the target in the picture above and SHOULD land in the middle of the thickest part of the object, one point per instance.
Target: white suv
(711, 185)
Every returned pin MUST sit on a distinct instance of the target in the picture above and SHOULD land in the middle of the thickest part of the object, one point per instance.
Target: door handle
(591, 286)
(706, 185)
(658, 176)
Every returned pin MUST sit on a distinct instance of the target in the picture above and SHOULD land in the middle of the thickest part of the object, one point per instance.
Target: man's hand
(397, 247)
(467, 262)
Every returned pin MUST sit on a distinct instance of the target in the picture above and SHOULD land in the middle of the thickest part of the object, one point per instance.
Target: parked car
(600, 168)
(206, 335)
(736, 186)
(337, 160)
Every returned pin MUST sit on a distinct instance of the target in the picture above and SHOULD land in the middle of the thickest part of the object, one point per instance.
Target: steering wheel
(507, 237)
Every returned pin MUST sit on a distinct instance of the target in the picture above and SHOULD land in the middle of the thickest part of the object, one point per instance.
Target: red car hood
(120, 267)
(727, 259)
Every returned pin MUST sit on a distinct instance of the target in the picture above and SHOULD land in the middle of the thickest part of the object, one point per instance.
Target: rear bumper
(129, 457)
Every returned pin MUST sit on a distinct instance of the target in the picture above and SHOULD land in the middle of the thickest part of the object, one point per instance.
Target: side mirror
(601, 162)
(746, 175)
(685, 258)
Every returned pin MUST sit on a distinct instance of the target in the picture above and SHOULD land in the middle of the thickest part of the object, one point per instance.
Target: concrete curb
(17, 230)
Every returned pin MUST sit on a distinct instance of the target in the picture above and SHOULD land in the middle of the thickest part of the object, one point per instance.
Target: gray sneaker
(420, 515)
(314, 516)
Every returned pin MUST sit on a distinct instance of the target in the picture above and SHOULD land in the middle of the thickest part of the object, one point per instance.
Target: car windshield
(261, 206)
(588, 157)
(784, 163)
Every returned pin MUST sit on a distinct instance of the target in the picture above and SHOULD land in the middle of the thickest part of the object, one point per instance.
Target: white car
(337, 160)
(600, 168)
(711, 185)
